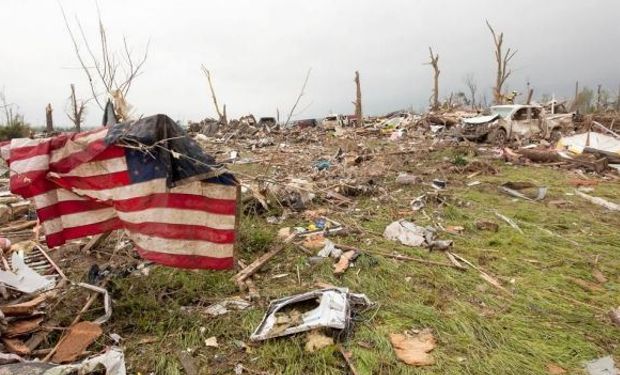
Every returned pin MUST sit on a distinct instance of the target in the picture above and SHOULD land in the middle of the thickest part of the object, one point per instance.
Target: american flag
(82, 185)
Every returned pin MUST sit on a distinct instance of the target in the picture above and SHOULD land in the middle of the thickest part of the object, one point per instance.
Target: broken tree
(502, 59)
(358, 100)
(434, 62)
(220, 113)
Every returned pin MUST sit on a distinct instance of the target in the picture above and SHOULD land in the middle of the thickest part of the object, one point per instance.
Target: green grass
(547, 319)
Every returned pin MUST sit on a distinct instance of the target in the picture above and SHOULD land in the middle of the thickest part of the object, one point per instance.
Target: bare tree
(599, 101)
(502, 59)
(221, 114)
(301, 93)
(358, 100)
(49, 120)
(434, 62)
(470, 82)
(77, 110)
(110, 73)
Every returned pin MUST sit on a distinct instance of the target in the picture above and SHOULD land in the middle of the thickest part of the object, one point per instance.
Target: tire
(498, 136)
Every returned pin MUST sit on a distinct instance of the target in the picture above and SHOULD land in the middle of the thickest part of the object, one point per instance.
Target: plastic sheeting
(576, 143)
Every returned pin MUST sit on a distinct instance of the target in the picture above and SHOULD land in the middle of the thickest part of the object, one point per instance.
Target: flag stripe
(101, 182)
(99, 167)
(35, 163)
(59, 238)
(182, 231)
(30, 184)
(24, 148)
(71, 160)
(159, 186)
(68, 207)
(182, 247)
(187, 261)
(77, 148)
(78, 219)
(176, 216)
(174, 200)
(56, 195)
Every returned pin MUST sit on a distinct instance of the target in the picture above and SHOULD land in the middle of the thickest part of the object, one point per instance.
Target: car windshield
(503, 112)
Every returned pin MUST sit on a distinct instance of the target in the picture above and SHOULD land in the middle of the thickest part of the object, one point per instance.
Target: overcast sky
(259, 51)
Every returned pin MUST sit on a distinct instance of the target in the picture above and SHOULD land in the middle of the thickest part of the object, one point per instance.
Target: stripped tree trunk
(49, 121)
(77, 111)
(221, 116)
(434, 62)
(358, 100)
(502, 59)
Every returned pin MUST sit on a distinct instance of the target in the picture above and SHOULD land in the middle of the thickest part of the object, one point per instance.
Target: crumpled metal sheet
(24, 278)
(518, 190)
(333, 311)
(113, 360)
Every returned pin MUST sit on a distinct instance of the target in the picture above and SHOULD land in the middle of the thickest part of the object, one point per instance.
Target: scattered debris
(487, 225)
(23, 278)
(598, 201)
(407, 179)
(344, 262)
(323, 308)
(602, 366)
(78, 338)
(316, 340)
(554, 369)
(414, 349)
(330, 250)
(211, 342)
(113, 361)
(521, 190)
(509, 222)
(410, 234)
(187, 362)
(223, 307)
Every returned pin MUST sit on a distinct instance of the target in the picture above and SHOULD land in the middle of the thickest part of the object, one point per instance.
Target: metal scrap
(323, 308)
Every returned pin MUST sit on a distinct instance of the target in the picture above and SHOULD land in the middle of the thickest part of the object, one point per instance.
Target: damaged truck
(509, 122)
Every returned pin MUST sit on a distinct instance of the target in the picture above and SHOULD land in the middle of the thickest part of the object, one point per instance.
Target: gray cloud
(259, 52)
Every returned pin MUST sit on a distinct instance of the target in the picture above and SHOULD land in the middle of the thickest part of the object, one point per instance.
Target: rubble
(316, 183)
(323, 308)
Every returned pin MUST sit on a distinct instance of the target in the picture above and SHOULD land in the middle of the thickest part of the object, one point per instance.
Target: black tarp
(161, 138)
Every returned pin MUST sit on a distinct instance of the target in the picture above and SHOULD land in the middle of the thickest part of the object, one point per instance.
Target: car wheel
(498, 136)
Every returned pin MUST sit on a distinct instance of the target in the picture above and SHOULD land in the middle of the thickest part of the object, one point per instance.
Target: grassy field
(554, 313)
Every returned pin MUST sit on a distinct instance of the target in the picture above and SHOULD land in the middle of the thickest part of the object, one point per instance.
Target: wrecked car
(332, 122)
(507, 122)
